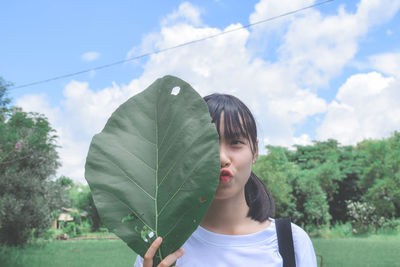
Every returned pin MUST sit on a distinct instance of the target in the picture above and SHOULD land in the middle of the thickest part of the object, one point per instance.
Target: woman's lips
(225, 175)
(224, 178)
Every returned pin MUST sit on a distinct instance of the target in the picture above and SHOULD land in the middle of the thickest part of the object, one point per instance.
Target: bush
(86, 227)
(363, 217)
(51, 234)
(73, 229)
(339, 230)
(82, 199)
(103, 230)
(390, 226)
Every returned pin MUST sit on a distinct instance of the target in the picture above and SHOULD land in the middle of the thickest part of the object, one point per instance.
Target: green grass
(355, 251)
(359, 251)
(70, 253)
(98, 234)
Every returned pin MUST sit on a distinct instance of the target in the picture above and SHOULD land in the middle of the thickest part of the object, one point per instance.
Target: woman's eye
(236, 142)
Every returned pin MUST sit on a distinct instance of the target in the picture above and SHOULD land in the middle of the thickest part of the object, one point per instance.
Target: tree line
(324, 183)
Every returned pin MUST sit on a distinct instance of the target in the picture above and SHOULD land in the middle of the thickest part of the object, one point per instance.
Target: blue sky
(332, 71)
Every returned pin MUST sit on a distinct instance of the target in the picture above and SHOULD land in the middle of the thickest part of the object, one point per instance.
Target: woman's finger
(171, 258)
(148, 257)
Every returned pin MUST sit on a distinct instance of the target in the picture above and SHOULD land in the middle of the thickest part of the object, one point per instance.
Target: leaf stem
(156, 195)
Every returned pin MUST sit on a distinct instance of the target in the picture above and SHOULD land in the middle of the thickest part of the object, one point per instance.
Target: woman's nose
(223, 156)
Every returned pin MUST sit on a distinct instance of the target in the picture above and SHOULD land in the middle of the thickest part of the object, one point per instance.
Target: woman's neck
(229, 216)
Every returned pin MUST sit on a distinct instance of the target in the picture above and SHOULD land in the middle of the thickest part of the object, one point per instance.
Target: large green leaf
(154, 168)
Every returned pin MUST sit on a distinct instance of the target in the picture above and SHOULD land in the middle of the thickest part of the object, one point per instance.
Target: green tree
(350, 165)
(380, 179)
(57, 195)
(82, 199)
(336, 168)
(318, 179)
(4, 100)
(28, 159)
(311, 200)
(393, 160)
(374, 154)
(277, 173)
(323, 158)
(65, 182)
(301, 181)
(312, 156)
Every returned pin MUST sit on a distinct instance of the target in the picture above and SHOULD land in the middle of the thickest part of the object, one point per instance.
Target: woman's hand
(167, 261)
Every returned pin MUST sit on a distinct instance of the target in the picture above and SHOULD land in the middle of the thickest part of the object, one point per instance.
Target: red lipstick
(225, 175)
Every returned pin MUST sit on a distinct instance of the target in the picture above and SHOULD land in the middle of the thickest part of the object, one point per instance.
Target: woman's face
(236, 157)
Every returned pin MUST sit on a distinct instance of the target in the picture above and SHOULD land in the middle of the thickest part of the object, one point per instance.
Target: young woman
(237, 229)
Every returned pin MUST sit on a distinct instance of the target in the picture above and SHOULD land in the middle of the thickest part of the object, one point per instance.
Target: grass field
(371, 251)
(85, 253)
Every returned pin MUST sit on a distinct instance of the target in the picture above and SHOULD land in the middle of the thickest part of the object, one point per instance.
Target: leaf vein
(180, 187)
(186, 151)
(173, 227)
(144, 138)
(176, 134)
(113, 196)
(138, 158)
(166, 132)
(130, 179)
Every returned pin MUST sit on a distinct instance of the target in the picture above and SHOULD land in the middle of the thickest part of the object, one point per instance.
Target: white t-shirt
(205, 248)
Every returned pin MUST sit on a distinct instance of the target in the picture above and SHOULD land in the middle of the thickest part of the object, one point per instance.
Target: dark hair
(258, 197)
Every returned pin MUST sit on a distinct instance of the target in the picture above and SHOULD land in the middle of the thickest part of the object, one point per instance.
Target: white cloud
(90, 56)
(377, 11)
(303, 140)
(388, 63)
(210, 66)
(298, 106)
(266, 9)
(315, 47)
(186, 12)
(91, 109)
(366, 106)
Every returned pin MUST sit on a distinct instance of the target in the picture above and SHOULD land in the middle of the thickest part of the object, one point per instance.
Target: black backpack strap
(285, 241)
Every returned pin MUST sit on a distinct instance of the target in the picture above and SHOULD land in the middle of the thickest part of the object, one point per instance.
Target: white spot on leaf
(175, 90)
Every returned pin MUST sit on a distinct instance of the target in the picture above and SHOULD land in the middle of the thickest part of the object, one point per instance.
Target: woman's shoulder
(298, 233)
(303, 247)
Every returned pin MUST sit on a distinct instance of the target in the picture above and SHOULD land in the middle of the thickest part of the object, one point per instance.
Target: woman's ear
(255, 156)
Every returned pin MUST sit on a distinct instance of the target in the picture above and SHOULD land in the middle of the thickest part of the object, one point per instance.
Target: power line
(168, 48)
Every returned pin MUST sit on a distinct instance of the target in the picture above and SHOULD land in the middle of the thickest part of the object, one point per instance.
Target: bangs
(238, 121)
(234, 125)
